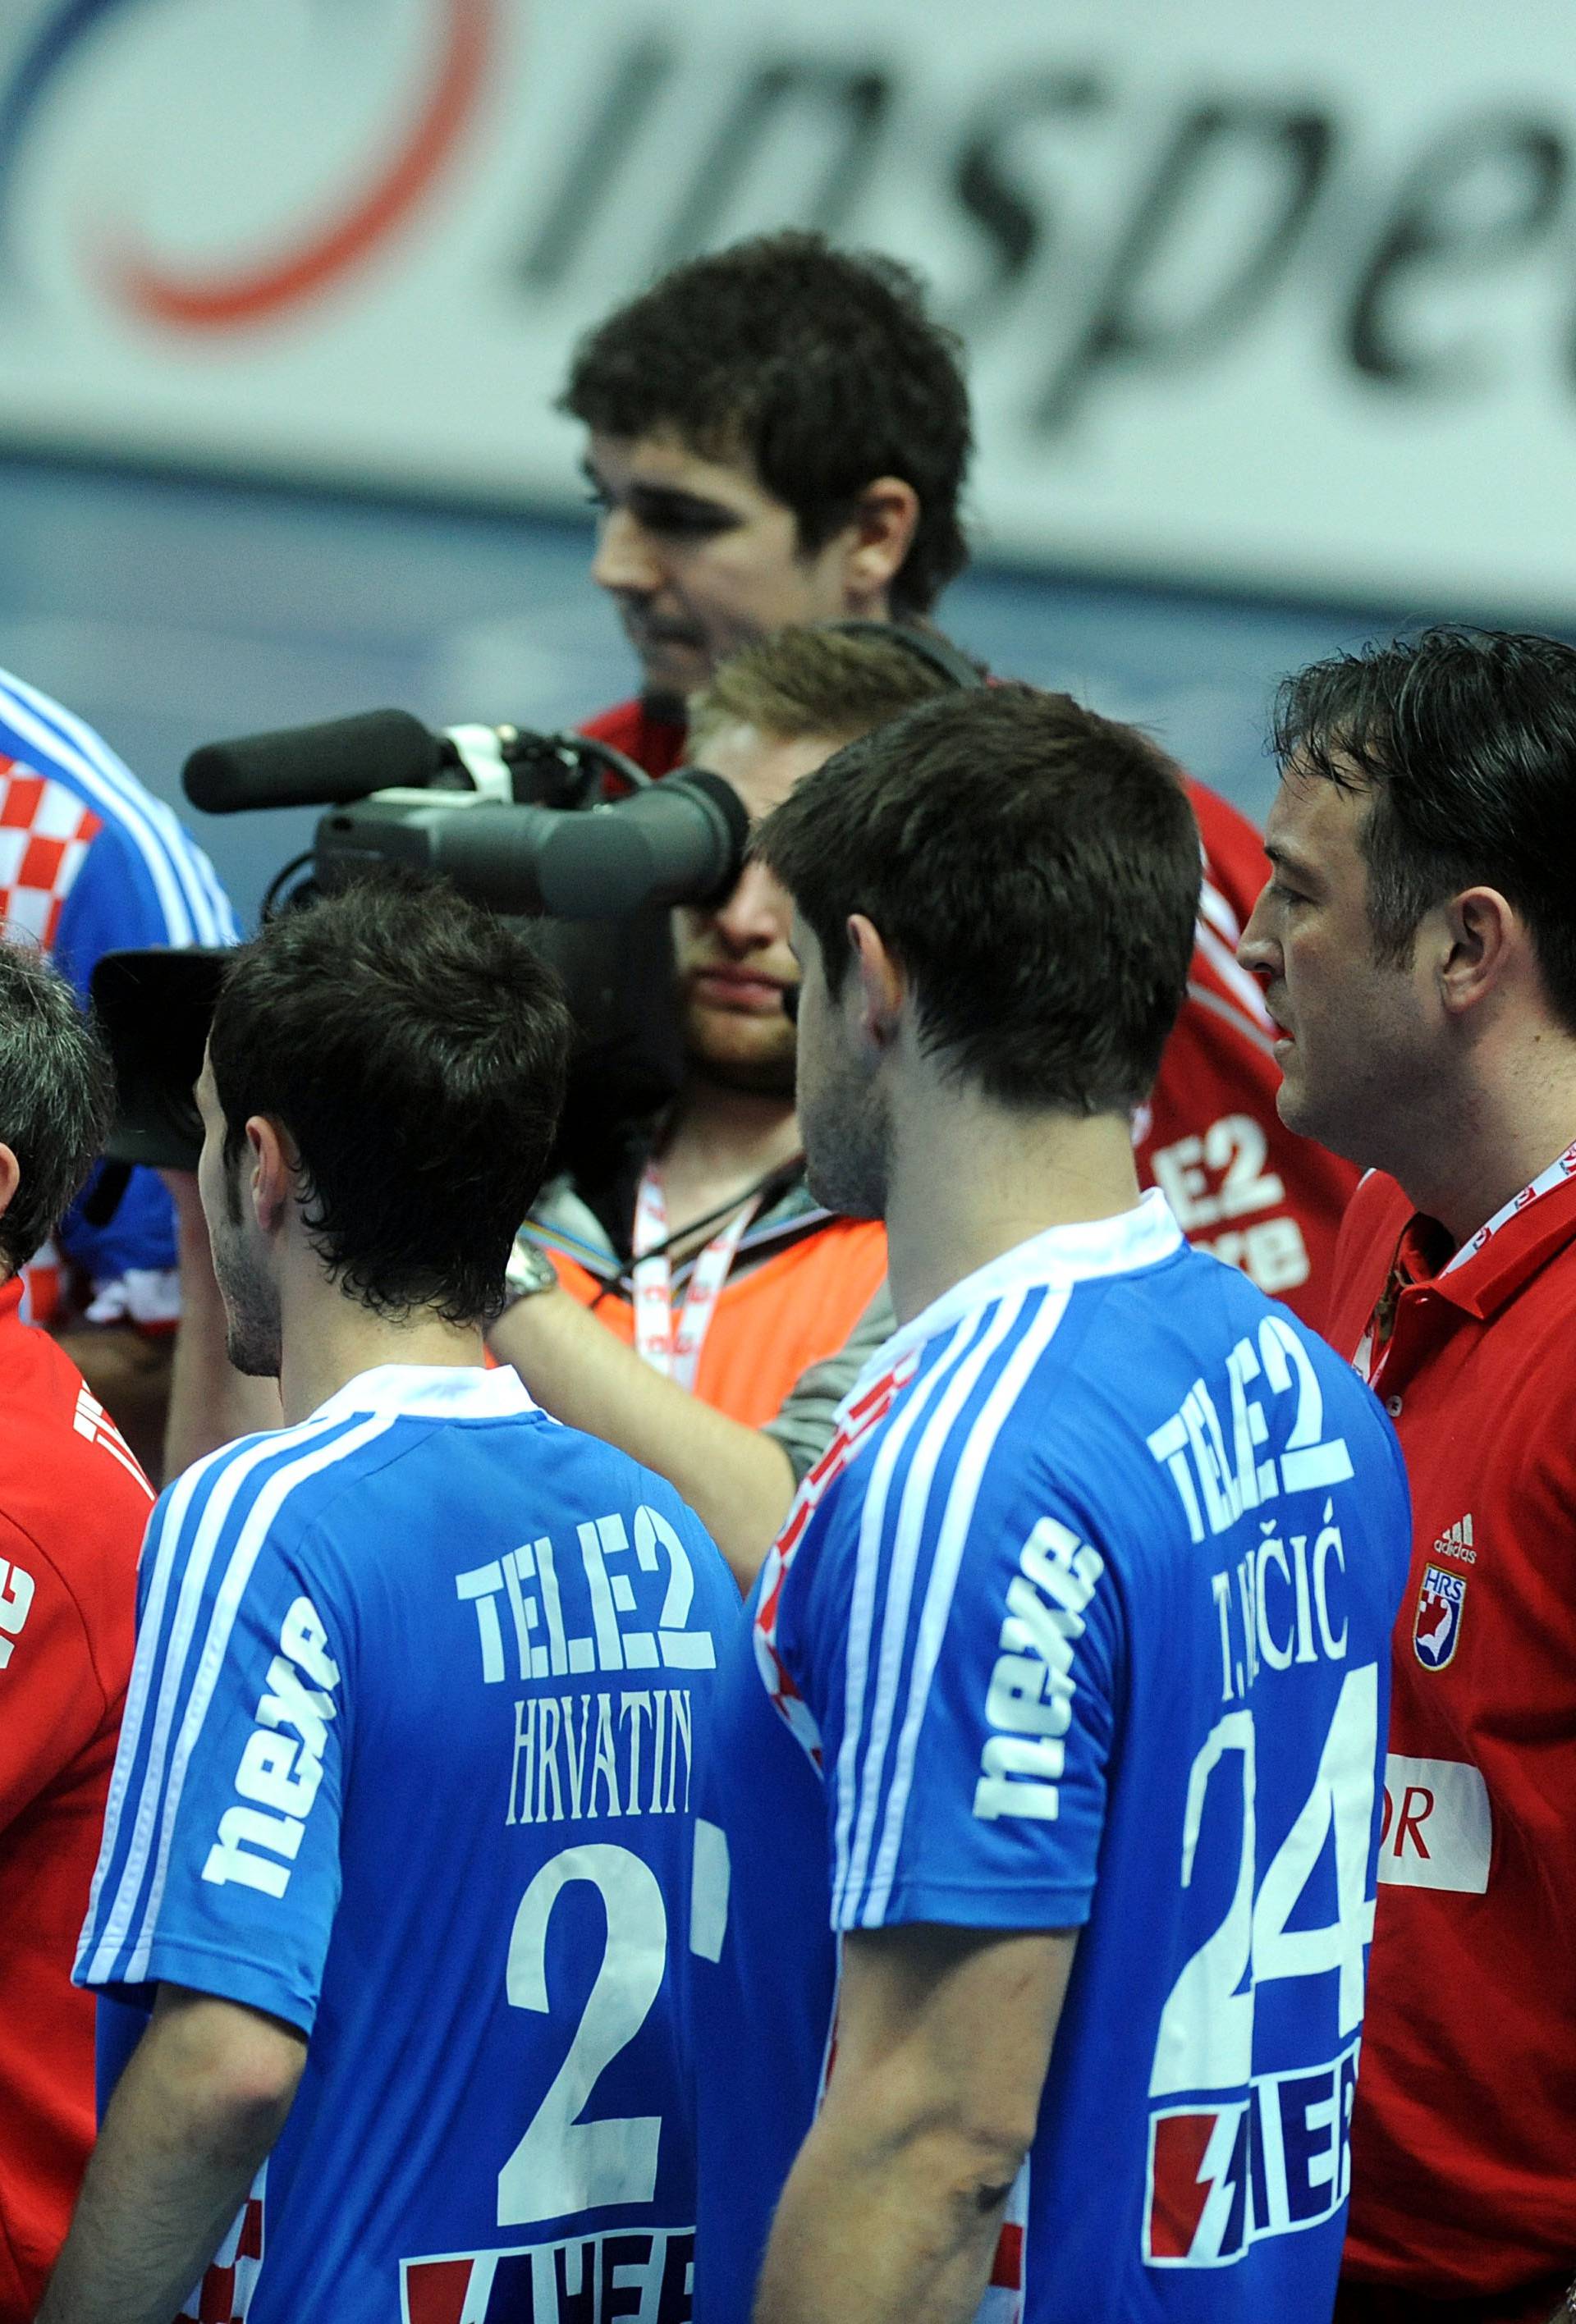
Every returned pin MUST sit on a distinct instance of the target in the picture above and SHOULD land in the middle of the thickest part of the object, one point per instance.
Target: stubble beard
(769, 1072)
(846, 1147)
(252, 1326)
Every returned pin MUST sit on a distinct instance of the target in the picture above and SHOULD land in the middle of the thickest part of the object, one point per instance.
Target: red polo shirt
(1464, 2141)
(73, 1509)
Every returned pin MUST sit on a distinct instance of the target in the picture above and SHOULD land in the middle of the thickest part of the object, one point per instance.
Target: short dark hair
(56, 1098)
(1467, 740)
(413, 1047)
(820, 366)
(1035, 867)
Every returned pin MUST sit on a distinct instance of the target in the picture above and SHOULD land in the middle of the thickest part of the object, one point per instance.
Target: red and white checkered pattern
(861, 1417)
(225, 2293)
(44, 835)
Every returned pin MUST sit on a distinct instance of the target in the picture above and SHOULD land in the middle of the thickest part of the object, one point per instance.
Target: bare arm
(211, 1402)
(893, 2209)
(739, 1481)
(203, 2099)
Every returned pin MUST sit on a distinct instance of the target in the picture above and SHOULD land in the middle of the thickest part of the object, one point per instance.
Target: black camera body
(520, 822)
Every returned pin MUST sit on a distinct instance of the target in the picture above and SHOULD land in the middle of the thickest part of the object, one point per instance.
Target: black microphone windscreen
(326, 765)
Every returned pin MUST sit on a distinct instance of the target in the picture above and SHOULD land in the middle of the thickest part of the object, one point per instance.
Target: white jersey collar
(1058, 1260)
(431, 1392)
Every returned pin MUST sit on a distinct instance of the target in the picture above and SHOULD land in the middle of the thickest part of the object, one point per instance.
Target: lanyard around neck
(1560, 1172)
(671, 1339)
(1376, 1341)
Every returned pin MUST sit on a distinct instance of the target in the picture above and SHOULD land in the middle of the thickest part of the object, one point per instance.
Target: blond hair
(803, 682)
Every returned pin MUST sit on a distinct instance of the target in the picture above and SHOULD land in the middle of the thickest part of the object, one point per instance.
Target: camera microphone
(326, 765)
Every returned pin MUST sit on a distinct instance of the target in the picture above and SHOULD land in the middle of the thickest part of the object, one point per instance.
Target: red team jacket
(1463, 2161)
(73, 1507)
(1241, 1184)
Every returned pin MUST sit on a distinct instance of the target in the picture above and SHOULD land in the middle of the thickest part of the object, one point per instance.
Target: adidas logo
(1456, 1541)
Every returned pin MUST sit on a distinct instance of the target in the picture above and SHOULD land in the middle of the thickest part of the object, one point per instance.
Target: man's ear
(10, 1178)
(272, 1162)
(1482, 938)
(880, 535)
(881, 985)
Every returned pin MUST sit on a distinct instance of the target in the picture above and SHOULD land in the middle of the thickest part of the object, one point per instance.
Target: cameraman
(778, 432)
(698, 1282)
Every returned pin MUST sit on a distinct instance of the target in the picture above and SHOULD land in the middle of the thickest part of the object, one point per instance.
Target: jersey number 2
(563, 2165)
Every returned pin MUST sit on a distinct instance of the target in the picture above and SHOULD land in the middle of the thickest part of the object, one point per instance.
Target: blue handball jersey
(91, 862)
(421, 1690)
(1082, 1622)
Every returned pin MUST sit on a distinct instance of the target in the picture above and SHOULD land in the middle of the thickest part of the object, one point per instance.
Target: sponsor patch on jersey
(1228, 2171)
(644, 2273)
(1436, 1627)
(1438, 1831)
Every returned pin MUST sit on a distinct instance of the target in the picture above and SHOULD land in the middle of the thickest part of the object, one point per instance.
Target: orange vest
(771, 1321)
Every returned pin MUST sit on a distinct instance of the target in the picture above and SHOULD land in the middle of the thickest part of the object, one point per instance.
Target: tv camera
(522, 822)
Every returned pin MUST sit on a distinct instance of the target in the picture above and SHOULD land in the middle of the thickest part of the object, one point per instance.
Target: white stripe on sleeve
(159, 1548)
(172, 1654)
(943, 1581)
(861, 1611)
(244, 1556)
(905, 1538)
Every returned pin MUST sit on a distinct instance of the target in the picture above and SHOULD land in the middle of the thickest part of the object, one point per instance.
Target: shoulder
(272, 1488)
(583, 1475)
(1183, 1359)
(612, 725)
(67, 1478)
(1226, 831)
(665, 1522)
(655, 743)
(128, 834)
(1048, 1382)
(932, 1429)
(954, 1463)
(1234, 856)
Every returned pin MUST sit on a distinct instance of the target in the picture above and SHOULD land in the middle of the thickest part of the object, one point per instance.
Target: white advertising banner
(1265, 296)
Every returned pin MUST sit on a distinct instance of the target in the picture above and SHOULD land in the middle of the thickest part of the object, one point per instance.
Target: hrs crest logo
(1436, 1627)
